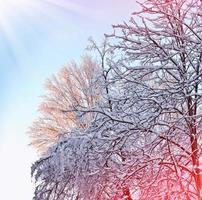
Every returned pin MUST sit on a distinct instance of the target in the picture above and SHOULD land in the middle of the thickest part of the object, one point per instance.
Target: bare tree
(73, 87)
(161, 67)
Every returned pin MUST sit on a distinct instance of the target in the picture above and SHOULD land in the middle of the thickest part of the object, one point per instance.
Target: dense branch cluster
(143, 140)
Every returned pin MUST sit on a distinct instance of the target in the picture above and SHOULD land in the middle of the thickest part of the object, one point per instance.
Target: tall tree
(161, 49)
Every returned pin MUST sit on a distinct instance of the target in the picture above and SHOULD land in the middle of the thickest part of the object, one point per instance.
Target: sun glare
(23, 8)
(8, 4)
(13, 13)
(9, 8)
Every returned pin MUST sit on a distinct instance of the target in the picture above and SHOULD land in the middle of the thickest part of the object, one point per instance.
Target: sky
(37, 38)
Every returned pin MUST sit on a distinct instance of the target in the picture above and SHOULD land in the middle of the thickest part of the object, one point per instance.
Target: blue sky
(37, 37)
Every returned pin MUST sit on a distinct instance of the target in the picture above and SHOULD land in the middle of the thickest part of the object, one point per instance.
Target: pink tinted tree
(161, 51)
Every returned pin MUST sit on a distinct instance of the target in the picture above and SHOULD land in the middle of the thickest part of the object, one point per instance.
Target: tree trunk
(194, 147)
(126, 194)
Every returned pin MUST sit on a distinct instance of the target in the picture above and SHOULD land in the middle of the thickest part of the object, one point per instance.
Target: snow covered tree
(67, 166)
(161, 70)
(145, 138)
